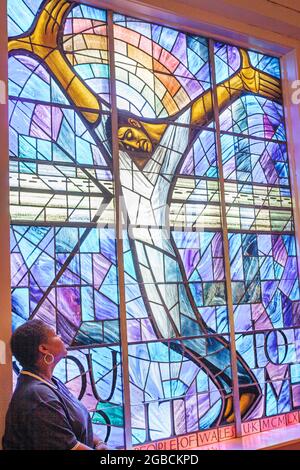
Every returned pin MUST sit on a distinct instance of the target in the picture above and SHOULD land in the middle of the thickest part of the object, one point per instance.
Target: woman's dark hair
(26, 340)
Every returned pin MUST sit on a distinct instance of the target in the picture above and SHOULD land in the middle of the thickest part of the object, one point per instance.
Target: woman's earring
(47, 361)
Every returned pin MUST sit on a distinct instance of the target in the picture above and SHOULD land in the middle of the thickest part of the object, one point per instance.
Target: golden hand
(258, 82)
(43, 42)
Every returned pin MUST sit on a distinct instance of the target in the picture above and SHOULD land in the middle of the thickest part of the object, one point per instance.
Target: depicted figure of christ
(154, 149)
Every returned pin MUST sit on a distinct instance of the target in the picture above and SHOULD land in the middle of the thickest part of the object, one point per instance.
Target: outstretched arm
(43, 42)
(247, 80)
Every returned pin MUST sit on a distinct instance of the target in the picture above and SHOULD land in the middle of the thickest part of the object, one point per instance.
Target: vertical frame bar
(119, 234)
(235, 384)
(5, 300)
(290, 70)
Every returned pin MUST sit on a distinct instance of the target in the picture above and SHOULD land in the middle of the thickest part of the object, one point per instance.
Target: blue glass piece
(189, 327)
(59, 155)
(90, 244)
(289, 242)
(66, 239)
(158, 352)
(57, 95)
(84, 11)
(250, 268)
(44, 149)
(249, 242)
(271, 401)
(205, 240)
(83, 152)
(210, 416)
(66, 137)
(237, 268)
(156, 32)
(108, 244)
(295, 373)
(87, 307)
(265, 63)
(138, 436)
(27, 147)
(274, 310)
(295, 292)
(36, 89)
(20, 303)
(267, 268)
(284, 402)
(110, 291)
(222, 320)
(105, 309)
(111, 333)
(278, 270)
(21, 14)
(168, 38)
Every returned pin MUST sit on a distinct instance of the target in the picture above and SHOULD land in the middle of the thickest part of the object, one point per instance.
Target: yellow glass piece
(43, 43)
(140, 56)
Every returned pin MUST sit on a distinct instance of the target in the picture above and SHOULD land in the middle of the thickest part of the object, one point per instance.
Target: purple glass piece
(88, 398)
(179, 50)
(268, 127)
(268, 289)
(286, 286)
(230, 169)
(242, 318)
(268, 168)
(179, 416)
(192, 87)
(101, 267)
(260, 317)
(147, 330)
(209, 316)
(203, 404)
(191, 413)
(68, 26)
(190, 260)
(57, 117)
(201, 166)
(296, 313)
(257, 412)
(19, 272)
(97, 157)
(182, 71)
(279, 251)
(41, 72)
(69, 311)
(41, 122)
(205, 267)
(188, 164)
(29, 62)
(47, 311)
(105, 309)
(217, 246)
(133, 330)
(296, 395)
(277, 372)
(233, 56)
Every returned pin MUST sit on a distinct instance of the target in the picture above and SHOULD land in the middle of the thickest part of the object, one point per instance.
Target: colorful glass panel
(63, 236)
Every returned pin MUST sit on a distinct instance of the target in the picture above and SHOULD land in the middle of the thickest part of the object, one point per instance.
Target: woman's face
(54, 345)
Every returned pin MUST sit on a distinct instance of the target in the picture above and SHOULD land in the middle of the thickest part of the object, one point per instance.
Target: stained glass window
(208, 230)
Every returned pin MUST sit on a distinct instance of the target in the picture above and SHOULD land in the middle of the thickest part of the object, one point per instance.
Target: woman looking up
(43, 414)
